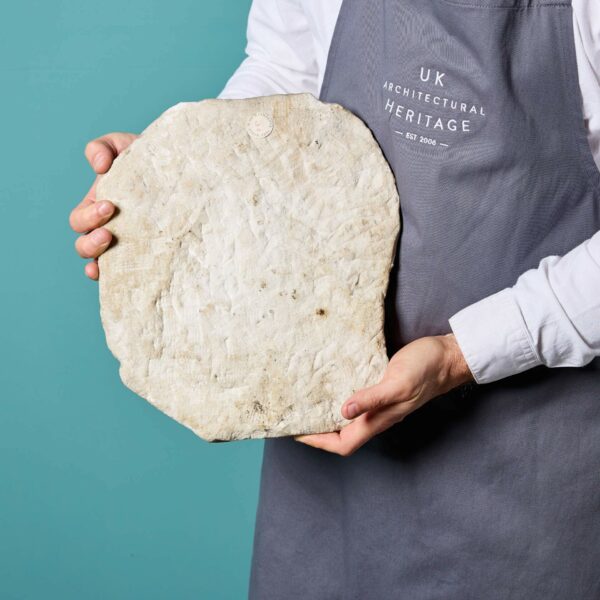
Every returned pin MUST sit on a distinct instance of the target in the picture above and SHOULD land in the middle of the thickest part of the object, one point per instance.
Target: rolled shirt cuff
(493, 338)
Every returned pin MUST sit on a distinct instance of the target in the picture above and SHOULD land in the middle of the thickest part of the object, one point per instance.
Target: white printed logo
(429, 115)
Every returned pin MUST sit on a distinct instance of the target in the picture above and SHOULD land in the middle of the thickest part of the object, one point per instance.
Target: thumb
(371, 398)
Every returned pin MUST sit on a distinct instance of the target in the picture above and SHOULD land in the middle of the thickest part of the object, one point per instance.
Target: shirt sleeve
(280, 53)
(551, 316)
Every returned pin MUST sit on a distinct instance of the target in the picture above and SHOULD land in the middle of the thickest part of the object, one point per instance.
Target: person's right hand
(90, 214)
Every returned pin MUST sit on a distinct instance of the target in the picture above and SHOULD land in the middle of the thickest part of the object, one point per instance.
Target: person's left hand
(420, 371)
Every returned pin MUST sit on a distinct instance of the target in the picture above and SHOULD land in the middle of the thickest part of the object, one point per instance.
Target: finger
(91, 215)
(371, 398)
(92, 271)
(351, 437)
(102, 151)
(93, 244)
(87, 200)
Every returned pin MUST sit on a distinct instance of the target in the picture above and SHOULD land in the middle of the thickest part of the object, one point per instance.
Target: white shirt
(551, 315)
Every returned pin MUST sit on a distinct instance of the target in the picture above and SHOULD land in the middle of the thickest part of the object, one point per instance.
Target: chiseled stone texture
(244, 295)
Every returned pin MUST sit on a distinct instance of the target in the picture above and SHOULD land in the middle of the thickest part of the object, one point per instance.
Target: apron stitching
(472, 4)
(333, 48)
(570, 75)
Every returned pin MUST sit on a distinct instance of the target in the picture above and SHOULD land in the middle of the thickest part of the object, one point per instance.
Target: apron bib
(488, 492)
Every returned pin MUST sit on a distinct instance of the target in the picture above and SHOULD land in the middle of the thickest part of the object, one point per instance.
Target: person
(471, 470)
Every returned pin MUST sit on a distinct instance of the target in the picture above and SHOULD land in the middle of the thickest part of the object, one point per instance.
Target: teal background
(101, 496)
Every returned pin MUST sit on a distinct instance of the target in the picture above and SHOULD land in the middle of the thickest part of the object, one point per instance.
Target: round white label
(260, 125)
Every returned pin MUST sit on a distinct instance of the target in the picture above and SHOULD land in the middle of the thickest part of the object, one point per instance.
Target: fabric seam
(575, 104)
(504, 6)
(333, 50)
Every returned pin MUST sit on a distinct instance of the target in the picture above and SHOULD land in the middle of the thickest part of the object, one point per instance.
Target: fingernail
(98, 160)
(99, 237)
(352, 410)
(104, 209)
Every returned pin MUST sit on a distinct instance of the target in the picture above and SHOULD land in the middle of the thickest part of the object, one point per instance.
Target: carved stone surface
(244, 295)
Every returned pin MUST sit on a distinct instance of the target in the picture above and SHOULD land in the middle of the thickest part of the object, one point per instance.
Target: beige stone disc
(244, 295)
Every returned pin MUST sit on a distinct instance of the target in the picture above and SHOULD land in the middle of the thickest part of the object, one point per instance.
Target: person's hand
(422, 370)
(90, 214)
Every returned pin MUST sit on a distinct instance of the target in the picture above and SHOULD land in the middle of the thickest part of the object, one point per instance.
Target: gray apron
(491, 491)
